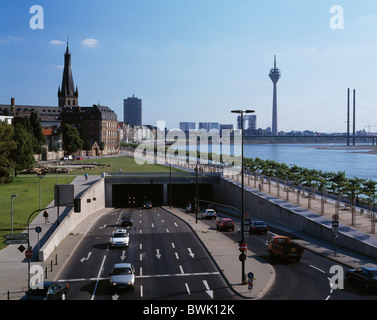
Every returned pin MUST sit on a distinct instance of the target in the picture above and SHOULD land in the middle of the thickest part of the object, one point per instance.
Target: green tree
(23, 155)
(7, 146)
(71, 139)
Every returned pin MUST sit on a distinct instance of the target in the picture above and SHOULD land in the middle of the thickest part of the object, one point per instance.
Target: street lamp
(11, 211)
(40, 178)
(241, 112)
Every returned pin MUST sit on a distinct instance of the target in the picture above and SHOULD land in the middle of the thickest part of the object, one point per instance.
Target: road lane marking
(146, 276)
(172, 244)
(176, 255)
(316, 268)
(180, 268)
(99, 273)
(187, 288)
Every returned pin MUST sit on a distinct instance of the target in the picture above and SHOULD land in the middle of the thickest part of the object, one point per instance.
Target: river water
(311, 156)
(355, 164)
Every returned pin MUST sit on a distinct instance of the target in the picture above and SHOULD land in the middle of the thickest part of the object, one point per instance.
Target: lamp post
(11, 211)
(241, 112)
(40, 178)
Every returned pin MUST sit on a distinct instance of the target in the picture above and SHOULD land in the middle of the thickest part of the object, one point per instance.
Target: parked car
(120, 238)
(147, 205)
(127, 221)
(51, 290)
(225, 224)
(209, 213)
(257, 226)
(122, 276)
(365, 276)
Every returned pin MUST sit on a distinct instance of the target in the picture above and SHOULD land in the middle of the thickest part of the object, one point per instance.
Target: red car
(225, 224)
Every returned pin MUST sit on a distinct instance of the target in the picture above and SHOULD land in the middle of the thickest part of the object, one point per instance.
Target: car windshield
(259, 223)
(120, 235)
(121, 271)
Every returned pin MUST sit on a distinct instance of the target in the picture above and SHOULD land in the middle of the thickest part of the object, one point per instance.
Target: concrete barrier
(92, 200)
(270, 208)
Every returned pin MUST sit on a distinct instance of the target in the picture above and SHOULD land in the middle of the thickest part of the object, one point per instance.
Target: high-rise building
(275, 76)
(132, 111)
(187, 126)
(249, 122)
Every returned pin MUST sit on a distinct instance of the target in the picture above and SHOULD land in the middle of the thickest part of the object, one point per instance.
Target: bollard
(51, 266)
(56, 259)
(45, 272)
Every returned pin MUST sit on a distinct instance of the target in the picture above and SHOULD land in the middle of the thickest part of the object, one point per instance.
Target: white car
(120, 238)
(123, 275)
(209, 213)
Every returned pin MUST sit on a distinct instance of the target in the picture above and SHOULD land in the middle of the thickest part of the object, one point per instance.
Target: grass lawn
(125, 163)
(27, 189)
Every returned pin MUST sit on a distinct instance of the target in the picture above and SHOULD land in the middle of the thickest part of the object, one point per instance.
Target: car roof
(226, 219)
(122, 265)
(121, 231)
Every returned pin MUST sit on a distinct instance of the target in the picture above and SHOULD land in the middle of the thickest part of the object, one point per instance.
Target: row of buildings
(97, 125)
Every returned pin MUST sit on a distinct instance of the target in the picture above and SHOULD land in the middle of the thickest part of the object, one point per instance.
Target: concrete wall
(92, 200)
(274, 209)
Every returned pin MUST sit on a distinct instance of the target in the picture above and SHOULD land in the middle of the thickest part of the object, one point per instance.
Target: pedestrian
(45, 215)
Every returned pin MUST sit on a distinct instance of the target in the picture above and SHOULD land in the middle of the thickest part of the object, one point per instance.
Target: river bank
(367, 149)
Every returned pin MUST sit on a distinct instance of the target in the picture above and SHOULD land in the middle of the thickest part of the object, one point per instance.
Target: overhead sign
(64, 195)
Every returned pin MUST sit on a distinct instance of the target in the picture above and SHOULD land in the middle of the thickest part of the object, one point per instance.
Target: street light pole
(11, 212)
(241, 112)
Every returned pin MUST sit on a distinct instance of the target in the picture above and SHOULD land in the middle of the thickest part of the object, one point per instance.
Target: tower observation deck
(274, 76)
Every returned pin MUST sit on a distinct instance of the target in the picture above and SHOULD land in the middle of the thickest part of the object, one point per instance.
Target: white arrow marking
(209, 292)
(104, 226)
(175, 224)
(158, 253)
(84, 259)
(152, 225)
(123, 255)
(190, 252)
(115, 297)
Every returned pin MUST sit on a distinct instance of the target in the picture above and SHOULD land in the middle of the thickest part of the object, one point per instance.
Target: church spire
(67, 94)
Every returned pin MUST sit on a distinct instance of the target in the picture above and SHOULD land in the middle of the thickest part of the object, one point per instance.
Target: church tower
(67, 94)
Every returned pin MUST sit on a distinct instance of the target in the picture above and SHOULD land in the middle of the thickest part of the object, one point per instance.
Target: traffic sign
(250, 283)
(243, 247)
(242, 257)
(14, 236)
(38, 229)
(335, 217)
(28, 254)
(16, 241)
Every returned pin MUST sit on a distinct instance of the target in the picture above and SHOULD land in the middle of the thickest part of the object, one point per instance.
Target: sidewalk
(13, 264)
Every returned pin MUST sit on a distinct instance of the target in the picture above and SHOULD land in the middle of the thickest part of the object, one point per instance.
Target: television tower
(274, 76)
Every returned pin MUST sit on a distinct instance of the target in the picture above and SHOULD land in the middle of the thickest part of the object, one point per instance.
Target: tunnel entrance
(133, 195)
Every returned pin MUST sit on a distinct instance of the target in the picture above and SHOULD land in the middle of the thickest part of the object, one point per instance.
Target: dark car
(257, 226)
(366, 276)
(127, 221)
(50, 291)
(225, 224)
(147, 205)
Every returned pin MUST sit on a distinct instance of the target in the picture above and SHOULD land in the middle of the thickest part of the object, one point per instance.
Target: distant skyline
(195, 61)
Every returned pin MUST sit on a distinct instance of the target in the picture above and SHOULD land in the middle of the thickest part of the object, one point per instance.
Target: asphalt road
(308, 279)
(170, 262)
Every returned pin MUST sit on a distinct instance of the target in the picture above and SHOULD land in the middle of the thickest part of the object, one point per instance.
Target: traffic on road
(144, 254)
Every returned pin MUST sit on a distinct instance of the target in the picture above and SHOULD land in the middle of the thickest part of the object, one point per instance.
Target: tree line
(355, 189)
(19, 142)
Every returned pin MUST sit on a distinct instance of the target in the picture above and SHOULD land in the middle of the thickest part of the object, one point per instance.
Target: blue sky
(195, 60)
